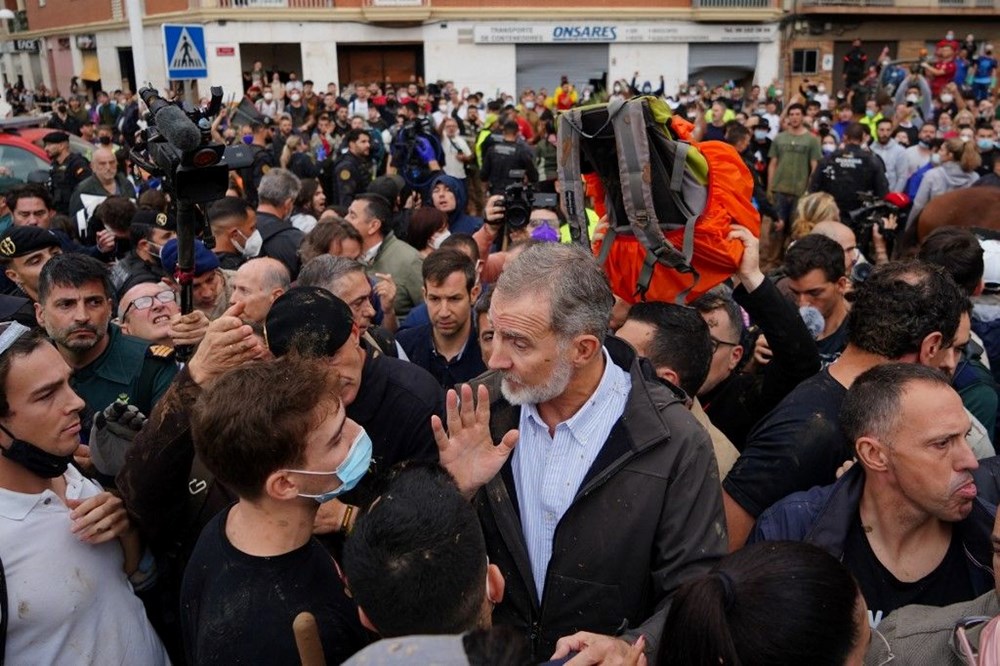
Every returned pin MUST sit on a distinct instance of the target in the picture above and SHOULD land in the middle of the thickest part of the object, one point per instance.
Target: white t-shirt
(69, 602)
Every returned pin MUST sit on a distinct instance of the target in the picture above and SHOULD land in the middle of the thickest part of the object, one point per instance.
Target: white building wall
(107, 60)
(450, 55)
(650, 60)
(768, 62)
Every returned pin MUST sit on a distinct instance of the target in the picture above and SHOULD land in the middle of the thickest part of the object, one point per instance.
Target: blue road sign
(184, 48)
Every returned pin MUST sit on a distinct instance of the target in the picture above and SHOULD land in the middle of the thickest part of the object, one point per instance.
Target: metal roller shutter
(542, 66)
(717, 63)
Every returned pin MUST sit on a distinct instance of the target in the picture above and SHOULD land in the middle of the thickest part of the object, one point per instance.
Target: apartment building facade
(482, 45)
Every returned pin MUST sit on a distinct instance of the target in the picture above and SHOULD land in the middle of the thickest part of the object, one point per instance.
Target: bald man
(844, 235)
(106, 181)
(257, 284)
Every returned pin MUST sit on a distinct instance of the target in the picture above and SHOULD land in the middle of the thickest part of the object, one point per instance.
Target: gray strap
(680, 161)
(609, 239)
(568, 171)
(632, 142)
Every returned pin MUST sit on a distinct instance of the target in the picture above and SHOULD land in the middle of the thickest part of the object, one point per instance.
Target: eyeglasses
(146, 302)
(716, 342)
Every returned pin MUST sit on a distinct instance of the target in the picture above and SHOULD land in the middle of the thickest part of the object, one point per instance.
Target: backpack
(670, 202)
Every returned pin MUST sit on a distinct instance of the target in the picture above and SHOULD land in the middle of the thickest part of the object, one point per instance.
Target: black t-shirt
(949, 583)
(238, 609)
(832, 346)
(797, 446)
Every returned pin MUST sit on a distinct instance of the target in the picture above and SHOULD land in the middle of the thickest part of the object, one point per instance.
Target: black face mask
(35, 460)
(104, 140)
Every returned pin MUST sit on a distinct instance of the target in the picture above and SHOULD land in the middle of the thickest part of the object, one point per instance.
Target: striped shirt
(548, 470)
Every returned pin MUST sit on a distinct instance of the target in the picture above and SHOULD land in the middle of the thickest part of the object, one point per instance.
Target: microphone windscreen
(178, 129)
(813, 319)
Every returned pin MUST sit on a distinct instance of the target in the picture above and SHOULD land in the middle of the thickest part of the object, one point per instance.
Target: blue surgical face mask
(350, 471)
(248, 139)
(985, 144)
(760, 135)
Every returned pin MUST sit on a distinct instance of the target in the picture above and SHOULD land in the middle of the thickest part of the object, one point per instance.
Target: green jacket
(923, 634)
(129, 366)
(400, 260)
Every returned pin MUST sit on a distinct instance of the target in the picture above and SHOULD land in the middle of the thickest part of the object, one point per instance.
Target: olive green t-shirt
(794, 152)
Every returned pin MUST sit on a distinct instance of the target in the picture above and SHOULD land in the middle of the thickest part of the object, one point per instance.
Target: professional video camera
(520, 199)
(177, 147)
(873, 213)
(406, 156)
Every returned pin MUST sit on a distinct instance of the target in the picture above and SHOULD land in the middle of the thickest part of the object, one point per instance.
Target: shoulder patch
(160, 351)
(345, 174)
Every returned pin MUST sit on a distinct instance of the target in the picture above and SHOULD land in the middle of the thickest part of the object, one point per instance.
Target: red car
(21, 148)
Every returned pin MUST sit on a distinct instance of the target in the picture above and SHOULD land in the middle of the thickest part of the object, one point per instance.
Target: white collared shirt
(69, 602)
(369, 257)
(548, 471)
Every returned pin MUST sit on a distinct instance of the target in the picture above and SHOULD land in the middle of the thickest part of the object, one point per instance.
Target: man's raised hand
(467, 450)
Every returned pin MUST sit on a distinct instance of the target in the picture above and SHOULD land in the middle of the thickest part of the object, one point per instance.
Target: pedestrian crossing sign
(184, 47)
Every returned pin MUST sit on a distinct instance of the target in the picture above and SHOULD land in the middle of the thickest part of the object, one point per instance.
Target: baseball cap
(22, 241)
(205, 260)
(55, 137)
(155, 218)
(308, 320)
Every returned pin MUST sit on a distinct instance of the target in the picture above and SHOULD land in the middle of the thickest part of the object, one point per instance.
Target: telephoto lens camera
(518, 202)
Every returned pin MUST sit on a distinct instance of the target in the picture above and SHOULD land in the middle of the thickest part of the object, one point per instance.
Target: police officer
(849, 171)
(68, 169)
(263, 161)
(353, 172)
(503, 157)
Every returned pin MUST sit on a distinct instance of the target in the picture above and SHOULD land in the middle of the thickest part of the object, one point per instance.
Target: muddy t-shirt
(797, 446)
(239, 609)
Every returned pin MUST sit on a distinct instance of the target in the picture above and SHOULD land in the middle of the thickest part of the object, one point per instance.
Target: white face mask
(268, 96)
(912, 99)
(947, 98)
(821, 90)
(252, 245)
(529, 104)
(438, 238)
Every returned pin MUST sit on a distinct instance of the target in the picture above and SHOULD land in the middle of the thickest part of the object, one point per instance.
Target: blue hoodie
(459, 222)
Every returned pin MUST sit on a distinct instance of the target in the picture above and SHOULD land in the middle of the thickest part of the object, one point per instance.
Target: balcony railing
(732, 4)
(850, 3)
(282, 4)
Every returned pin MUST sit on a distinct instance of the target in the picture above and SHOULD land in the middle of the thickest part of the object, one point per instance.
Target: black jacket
(647, 518)
(823, 516)
(846, 173)
(281, 241)
(742, 399)
(503, 157)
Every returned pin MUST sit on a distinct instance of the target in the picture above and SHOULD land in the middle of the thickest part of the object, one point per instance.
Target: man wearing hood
(448, 195)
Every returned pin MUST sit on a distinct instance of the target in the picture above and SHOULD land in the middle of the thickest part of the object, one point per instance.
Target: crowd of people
(430, 423)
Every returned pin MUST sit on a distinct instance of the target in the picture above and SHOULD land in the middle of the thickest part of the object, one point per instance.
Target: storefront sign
(225, 51)
(26, 46)
(576, 33)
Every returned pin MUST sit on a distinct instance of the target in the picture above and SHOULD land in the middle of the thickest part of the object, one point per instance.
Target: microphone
(813, 320)
(172, 122)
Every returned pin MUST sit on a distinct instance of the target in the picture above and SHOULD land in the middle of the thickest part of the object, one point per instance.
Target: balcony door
(367, 63)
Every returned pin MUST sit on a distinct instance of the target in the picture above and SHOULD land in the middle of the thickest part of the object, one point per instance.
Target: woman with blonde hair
(956, 161)
(811, 210)
(296, 158)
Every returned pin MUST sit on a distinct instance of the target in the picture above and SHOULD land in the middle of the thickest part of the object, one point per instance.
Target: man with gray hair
(276, 193)
(346, 279)
(611, 499)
